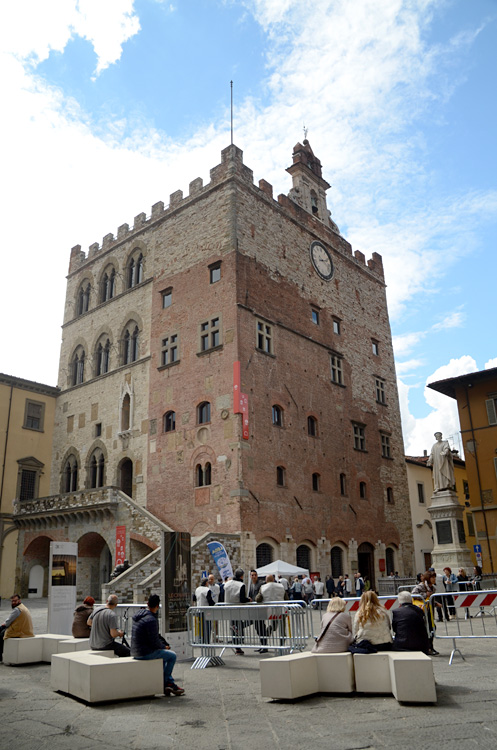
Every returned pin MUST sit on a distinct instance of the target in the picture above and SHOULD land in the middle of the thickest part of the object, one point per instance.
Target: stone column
(450, 549)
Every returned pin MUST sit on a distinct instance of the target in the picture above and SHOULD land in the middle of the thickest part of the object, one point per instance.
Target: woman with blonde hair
(372, 622)
(336, 629)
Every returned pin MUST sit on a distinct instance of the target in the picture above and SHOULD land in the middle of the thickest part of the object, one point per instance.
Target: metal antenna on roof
(231, 86)
(305, 132)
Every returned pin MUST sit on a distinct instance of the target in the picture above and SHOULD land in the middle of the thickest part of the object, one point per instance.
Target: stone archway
(36, 556)
(94, 565)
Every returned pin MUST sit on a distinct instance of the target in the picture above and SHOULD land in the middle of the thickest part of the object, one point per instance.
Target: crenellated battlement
(231, 165)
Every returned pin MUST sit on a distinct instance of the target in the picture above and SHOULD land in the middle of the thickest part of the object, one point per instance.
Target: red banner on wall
(120, 544)
(240, 400)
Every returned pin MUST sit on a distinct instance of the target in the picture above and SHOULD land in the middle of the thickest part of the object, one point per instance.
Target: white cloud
(405, 343)
(491, 363)
(31, 29)
(443, 417)
(454, 320)
(406, 368)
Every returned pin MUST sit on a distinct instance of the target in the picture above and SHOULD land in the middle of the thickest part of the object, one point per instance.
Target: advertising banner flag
(220, 557)
(62, 586)
(120, 544)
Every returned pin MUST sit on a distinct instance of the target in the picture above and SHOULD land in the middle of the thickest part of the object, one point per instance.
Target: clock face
(321, 260)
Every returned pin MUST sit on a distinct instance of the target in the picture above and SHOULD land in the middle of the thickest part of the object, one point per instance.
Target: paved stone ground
(223, 710)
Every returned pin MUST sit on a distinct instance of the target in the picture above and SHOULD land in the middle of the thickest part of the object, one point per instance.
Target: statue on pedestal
(442, 461)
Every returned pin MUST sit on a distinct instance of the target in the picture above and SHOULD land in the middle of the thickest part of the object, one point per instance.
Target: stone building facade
(227, 365)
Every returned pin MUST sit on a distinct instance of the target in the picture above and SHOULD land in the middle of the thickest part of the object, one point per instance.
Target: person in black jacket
(147, 643)
(409, 626)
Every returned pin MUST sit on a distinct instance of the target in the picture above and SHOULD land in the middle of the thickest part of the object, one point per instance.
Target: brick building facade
(156, 320)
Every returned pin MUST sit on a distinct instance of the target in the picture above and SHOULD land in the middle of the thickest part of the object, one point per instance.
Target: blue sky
(110, 107)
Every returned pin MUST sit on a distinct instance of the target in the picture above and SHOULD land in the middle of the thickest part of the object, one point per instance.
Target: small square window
(264, 337)
(170, 350)
(210, 334)
(280, 476)
(359, 437)
(421, 493)
(386, 450)
(98, 429)
(380, 391)
(374, 345)
(215, 273)
(336, 326)
(315, 316)
(167, 298)
(336, 369)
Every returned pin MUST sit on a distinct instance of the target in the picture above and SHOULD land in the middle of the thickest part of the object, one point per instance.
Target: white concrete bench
(408, 675)
(30, 650)
(69, 645)
(295, 675)
(96, 677)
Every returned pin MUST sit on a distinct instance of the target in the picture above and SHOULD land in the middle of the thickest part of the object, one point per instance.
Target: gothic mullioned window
(102, 356)
(70, 475)
(130, 344)
(108, 286)
(83, 302)
(78, 366)
(135, 270)
(97, 469)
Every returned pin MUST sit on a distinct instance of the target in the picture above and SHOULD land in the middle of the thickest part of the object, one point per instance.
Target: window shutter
(492, 414)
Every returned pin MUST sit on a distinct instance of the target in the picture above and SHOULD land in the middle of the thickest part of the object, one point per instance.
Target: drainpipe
(3, 471)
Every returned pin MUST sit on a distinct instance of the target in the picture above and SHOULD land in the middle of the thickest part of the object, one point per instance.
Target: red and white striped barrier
(480, 599)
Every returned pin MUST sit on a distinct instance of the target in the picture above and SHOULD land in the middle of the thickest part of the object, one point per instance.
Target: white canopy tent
(280, 568)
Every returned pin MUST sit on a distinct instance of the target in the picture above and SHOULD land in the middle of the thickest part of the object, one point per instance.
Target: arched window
(108, 288)
(70, 478)
(336, 562)
(135, 270)
(126, 413)
(390, 560)
(343, 485)
(169, 421)
(204, 412)
(316, 478)
(362, 490)
(207, 473)
(280, 476)
(102, 357)
(84, 298)
(390, 499)
(199, 476)
(263, 554)
(304, 556)
(78, 366)
(277, 415)
(130, 344)
(312, 426)
(97, 467)
(314, 203)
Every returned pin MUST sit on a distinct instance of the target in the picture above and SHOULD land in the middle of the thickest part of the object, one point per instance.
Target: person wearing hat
(80, 628)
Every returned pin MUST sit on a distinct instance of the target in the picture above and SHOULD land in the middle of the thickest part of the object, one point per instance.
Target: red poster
(120, 544)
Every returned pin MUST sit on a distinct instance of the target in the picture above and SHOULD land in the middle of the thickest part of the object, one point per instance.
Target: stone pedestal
(450, 549)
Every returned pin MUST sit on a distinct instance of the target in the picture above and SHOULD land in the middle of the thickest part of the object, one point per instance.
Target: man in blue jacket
(147, 643)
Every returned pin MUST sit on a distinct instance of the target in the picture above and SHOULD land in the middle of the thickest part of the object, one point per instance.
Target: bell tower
(309, 188)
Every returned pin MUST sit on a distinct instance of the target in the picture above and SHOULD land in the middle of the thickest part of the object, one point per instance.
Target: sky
(109, 107)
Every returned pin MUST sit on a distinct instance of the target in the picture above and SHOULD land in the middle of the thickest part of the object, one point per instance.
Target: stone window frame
(315, 315)
(336, 366)
(71, 462)
(96, 468)
(204, 412)
(363, 490)
(421, 493)
(280, 476)
(169, 421)
(166, 297)
(77, 366)
(214, 277)
(375, 345)
(102, 355)
(210, 334)
(203, 474)
(170, 348)
(277, 415)
(83, 297)
(386, 445)
(264, 337)
(130, 343)
(135, 268)
(379, 385)
(108, 284)
(29, 403)
(337, 326)
(29, 465)
(359, 433)
(312, 426)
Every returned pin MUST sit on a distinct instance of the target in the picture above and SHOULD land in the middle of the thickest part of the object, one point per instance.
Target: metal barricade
(473, 614)
(278, 626)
